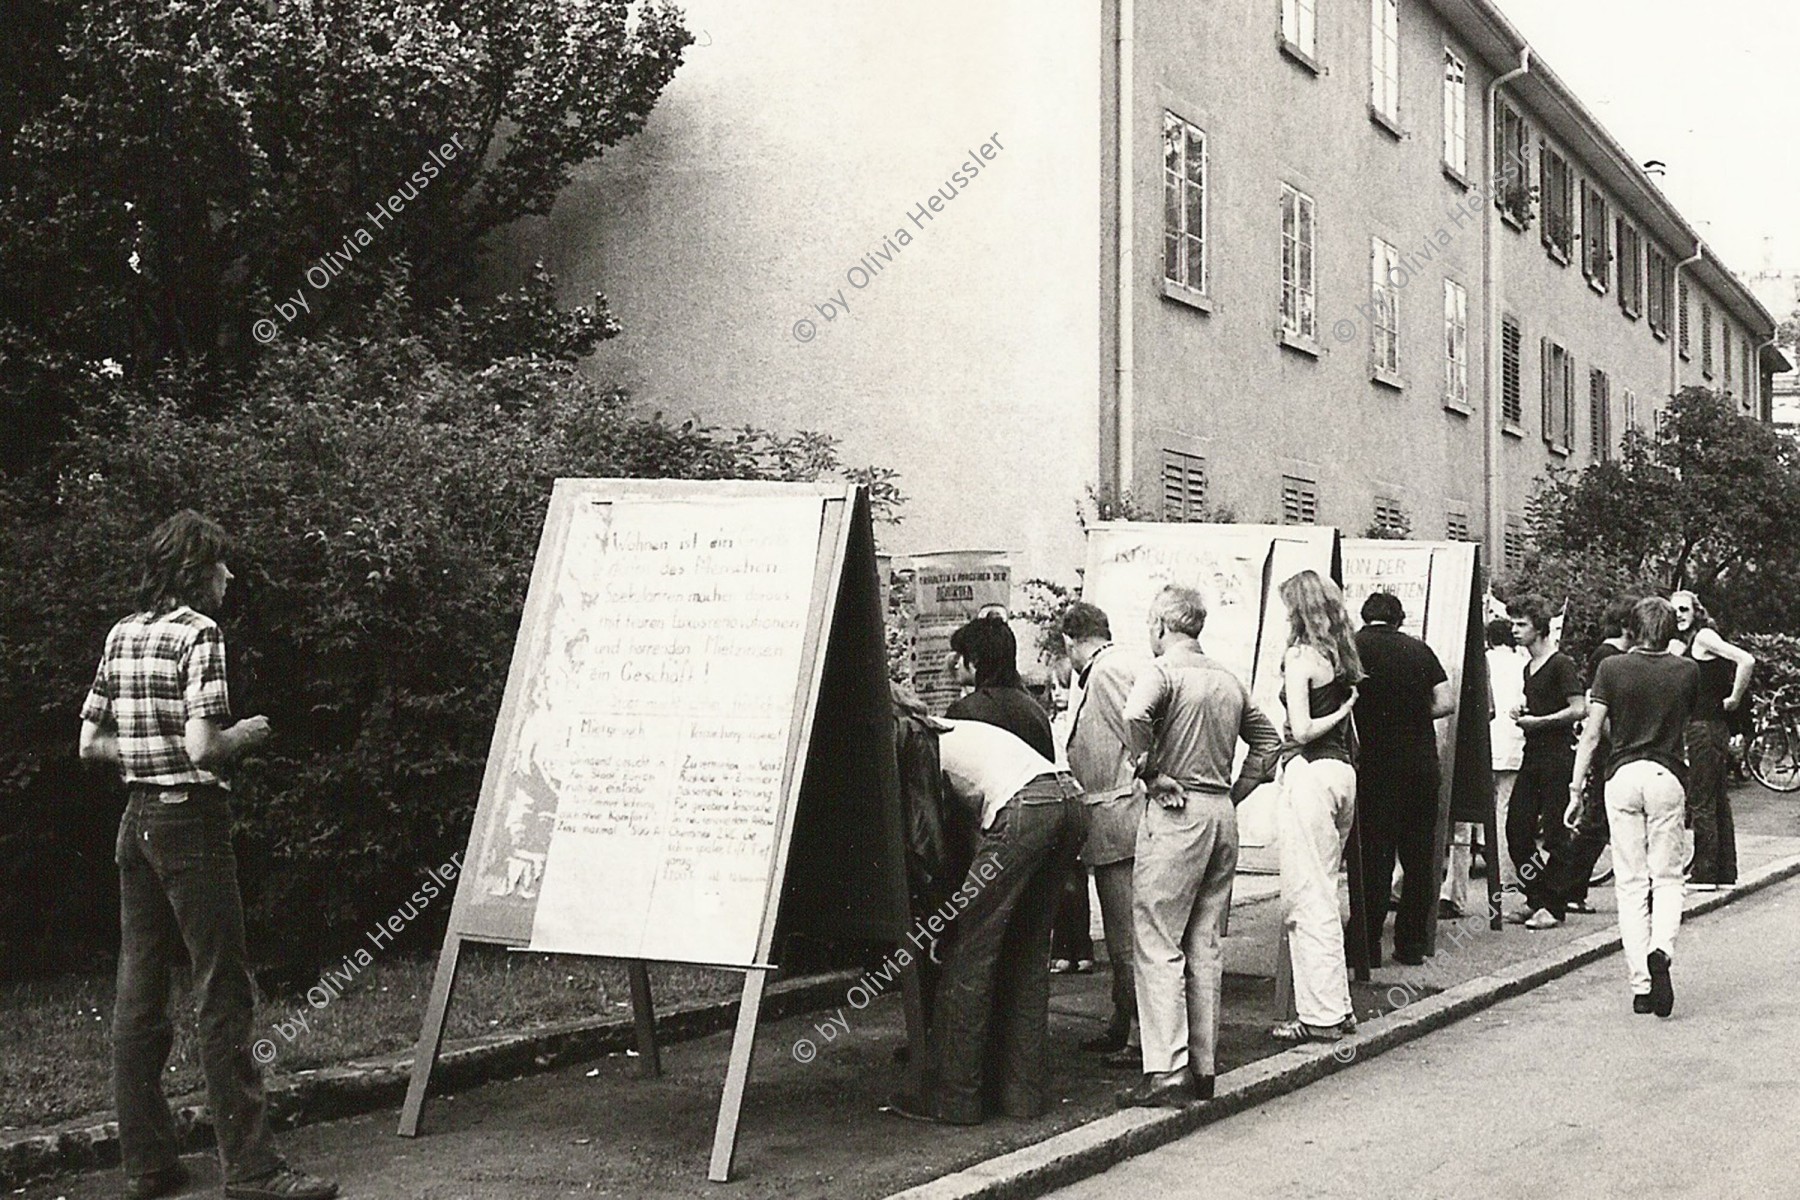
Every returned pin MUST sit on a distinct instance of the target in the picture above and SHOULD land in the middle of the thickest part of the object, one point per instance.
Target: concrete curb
(1090, 1149)
(328, 1093)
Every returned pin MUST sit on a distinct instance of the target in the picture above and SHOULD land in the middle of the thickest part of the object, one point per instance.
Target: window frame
(1512, 149)
(1304, 308)
(1384, 301)
(1596, 237)
(1657, 299)
(1300, 29)
(1600, 424)
(1706, 339)
(1630, 270)
(1684, 344)
(1178, 179)
(1384, 61)
(1556, 210)
(1557, 383)
(1456, 113)
(1456, 345)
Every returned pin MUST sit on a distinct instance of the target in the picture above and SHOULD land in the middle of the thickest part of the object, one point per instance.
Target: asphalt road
(1560, 1092)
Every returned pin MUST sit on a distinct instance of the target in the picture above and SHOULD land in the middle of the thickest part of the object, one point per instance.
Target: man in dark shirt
(1555, 701)
(985, 654)
(1647, 697)
(1563, 886)
(1397, 777)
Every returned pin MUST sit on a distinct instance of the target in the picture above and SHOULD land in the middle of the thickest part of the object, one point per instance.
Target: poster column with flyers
(927, 597)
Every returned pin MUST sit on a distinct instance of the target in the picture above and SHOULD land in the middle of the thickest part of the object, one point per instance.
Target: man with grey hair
(1184, 717)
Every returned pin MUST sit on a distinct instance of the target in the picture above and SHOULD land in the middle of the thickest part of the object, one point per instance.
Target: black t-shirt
(1013, 710)
(1547, 690)
(1649, 699)
(1596, 656)
(1393, 705)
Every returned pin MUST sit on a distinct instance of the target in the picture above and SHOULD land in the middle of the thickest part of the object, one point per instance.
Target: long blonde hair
(1317, 618)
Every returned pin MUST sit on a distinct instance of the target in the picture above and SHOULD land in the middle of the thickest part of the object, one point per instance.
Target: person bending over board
(988, 1040)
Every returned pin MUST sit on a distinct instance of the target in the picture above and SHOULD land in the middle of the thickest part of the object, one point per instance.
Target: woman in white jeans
(1318, 799)
(1645, 698)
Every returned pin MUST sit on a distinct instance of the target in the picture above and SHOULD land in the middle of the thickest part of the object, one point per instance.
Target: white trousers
(1503, 786)
(1646, 806)
(1457, 863)
(1317, 802)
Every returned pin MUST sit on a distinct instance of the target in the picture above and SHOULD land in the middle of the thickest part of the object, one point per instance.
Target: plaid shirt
(158, 671)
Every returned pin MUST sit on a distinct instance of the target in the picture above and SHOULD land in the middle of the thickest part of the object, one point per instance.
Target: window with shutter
(1299, 501)
(1725, 353)
(1456, 525)
(1706, 341)
(1600, 415)
(1184, 486)
(1657, 271)
(1631, 264)
(1631, 412)
(1512, 549)
(1596, 237)
(1681, 339)
(1512, 407)
(1512, 165)
(1391, 518)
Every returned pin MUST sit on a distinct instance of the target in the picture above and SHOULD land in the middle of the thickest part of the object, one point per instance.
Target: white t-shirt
(986, 763)
(1506, 672)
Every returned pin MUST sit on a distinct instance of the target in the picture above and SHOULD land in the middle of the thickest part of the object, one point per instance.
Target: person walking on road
(1562, 887)
(1645, 698)
(1100, 760)
(1724, 680)
(1185, 716)
(1506, 741)
(160, 711)
(1403, 691)
(1319, 674)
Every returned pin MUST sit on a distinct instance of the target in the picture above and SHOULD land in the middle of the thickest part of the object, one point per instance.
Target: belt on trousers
(1066, 786)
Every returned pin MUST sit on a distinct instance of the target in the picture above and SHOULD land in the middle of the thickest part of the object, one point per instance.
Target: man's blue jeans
(178, 888)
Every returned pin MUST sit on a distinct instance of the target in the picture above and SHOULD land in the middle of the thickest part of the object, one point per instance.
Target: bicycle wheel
(1603, 868)
(1774, 759)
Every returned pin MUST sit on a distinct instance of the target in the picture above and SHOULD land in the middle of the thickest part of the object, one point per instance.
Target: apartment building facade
(1346, 288)
(1382, 270)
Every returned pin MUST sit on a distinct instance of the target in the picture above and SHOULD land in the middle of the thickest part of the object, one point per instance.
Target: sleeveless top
(1323, 701)
(1717, 677)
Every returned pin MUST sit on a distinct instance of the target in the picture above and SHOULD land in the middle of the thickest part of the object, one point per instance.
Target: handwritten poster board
(1437, 584)
(694, 756)
(927, 597)
(1237, 569)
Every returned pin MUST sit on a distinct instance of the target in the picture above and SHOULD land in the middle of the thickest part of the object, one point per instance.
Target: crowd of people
(1627, 751)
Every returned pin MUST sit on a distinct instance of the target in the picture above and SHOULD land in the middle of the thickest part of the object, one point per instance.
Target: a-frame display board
(694, 757)
(1438, 585)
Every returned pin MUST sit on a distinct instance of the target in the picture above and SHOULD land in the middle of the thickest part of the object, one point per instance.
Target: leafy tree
(202, 156)
(1709, 501)
(386, 501)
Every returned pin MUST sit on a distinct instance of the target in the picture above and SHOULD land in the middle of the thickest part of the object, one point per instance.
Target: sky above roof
(1712, 90)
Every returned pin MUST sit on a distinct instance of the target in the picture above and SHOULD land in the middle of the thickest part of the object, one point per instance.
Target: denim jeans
(178, 890)
(993, 1002)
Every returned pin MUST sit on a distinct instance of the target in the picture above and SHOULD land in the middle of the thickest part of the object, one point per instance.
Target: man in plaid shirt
(160, 711)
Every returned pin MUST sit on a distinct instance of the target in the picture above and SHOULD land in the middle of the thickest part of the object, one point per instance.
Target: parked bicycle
(1773, 753)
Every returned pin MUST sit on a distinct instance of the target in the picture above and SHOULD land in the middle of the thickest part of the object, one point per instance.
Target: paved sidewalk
(815, 1128)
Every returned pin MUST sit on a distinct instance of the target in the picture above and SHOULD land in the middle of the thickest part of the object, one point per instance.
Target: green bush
(386, 502)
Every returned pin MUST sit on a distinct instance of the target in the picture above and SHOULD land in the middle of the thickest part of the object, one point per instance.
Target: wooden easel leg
(1491, 831)
(1359, 922)
(643, 1016)
(431, 1035)
(743, 1044)
(912, 1000)
(1284, 978)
